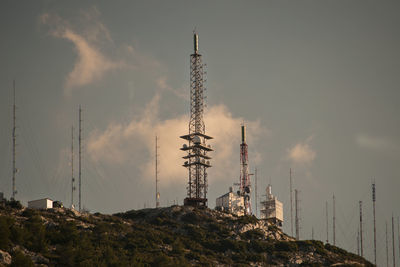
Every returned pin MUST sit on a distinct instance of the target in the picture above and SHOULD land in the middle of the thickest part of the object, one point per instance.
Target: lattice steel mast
(245, 186)
(197, 159)
(80, 157)
(373, 206)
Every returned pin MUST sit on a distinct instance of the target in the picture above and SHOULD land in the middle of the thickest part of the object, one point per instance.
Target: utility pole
(373, 207)
(361, 230)
(394, 253)
(72, 168)
(297, 213)
(14, 143)
(291, 201)
(255, 190)
(327, 222)
(312, 233)
(157, 193)
(334, 221)
(80, 158)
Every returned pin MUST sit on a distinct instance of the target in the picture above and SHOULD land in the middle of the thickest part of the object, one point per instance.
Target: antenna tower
(291, 201)
(327, 222)
(14, 139)
(394, 253)
(373, 207)
(334, 221)
(361, 230)
(197, 159)
(80, 156)
(72, 168)
(296, 200)
(358, 241)
(157, 193)
(255, 189)
(245, 186)
(387, 247)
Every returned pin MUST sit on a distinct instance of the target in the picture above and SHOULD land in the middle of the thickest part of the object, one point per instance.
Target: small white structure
(45, 203)
(231, 202)
(272, 210)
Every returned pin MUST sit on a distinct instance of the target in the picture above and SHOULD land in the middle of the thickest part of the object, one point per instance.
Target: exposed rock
(5, 258)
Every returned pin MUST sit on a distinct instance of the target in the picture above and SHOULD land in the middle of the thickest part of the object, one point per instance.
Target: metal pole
(255, 190)
(361, 230)
(80, 156)
(334, 220)
(394, 252)
(157, 193)
(297, 214)
(327, 222)
(14, 137)
(358, 241)
(291, 201)
(72, 167)
(373, 206)
(387, 247)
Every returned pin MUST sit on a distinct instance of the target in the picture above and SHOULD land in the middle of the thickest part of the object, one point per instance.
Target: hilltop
(173, 236)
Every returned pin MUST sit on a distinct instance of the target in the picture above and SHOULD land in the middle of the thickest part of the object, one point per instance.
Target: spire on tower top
(196, 42)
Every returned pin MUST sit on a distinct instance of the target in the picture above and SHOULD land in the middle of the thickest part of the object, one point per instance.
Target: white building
(230, 202)
(45, 203)
(272, 209)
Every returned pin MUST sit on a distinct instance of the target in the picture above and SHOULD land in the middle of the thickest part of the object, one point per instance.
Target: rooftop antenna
(334, 221)
(73, 188)
(297, 213)
(14, 138)
(80, 157)
(394, 253)
(373, 207)
(157, 193)
(327, 222)
(197, 159)
(361, 230)
(291, 201)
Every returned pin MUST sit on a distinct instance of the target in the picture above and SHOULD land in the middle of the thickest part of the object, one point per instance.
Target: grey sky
(316, 81)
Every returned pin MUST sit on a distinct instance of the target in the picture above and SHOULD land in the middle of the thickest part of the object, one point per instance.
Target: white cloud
(375, 143)
(302, 153)
(133, 143)
(91, 63)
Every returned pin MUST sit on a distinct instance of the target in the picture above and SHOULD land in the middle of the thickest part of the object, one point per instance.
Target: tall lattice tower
(197, 149)
(245, 186)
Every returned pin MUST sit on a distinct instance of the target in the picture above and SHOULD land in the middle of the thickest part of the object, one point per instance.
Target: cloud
(302, 153)
(374, 143)
(91, 63)
(134, 143)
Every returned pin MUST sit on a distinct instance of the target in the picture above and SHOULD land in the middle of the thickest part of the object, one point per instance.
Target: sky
(316, 83)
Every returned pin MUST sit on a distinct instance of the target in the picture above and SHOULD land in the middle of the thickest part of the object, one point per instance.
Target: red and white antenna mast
(245, 186)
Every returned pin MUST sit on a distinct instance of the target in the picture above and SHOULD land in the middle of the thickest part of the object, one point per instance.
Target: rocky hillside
(174, 236)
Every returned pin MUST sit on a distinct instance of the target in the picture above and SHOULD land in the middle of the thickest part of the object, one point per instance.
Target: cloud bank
(134, 143)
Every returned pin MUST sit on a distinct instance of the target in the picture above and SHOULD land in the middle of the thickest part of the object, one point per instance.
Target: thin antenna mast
(327, 223)
(297, 213)
(14, 138)
(387, 247)
(361, 230)
(373, 207)
(72, 168)
(291, 201)
(157, 193)
(334, 221)
(358, 241)
(255, 188)
(80, 157)
(394, 253)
